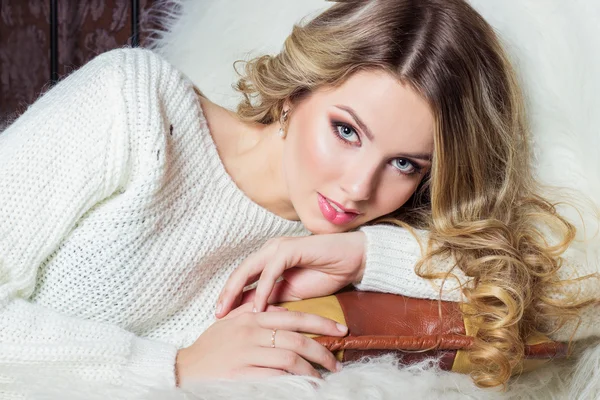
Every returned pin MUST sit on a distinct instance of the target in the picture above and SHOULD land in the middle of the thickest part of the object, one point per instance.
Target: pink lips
(331, 215)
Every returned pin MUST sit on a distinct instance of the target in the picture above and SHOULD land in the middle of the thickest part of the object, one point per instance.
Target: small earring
(282, 122)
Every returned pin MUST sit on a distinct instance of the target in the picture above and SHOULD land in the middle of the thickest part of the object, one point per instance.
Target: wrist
(180, 366)
(363, 259)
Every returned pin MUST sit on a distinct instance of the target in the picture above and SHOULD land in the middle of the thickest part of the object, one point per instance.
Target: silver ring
(273, 338)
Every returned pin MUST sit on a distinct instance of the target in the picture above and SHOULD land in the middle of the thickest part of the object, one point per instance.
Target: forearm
(36, 338)
(391, 256)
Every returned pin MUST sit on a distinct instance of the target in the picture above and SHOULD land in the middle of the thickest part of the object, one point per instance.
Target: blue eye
(346, 133)
(404, 166)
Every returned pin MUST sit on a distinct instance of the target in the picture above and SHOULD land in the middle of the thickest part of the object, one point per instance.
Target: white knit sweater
(118, 223)
(119, 226)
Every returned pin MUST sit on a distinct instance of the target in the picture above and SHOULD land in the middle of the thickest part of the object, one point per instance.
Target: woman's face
(363, 146)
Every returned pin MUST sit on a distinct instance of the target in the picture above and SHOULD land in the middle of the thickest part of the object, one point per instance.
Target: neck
(259, 170)
(253, 156)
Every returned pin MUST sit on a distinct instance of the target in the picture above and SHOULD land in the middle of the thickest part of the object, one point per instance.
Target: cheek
(393, 195)
(313, 153)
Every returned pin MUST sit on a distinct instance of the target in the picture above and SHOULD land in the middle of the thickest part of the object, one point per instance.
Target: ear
(287, 105)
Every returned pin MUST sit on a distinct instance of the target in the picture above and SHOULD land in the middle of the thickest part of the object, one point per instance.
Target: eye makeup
(336, 125)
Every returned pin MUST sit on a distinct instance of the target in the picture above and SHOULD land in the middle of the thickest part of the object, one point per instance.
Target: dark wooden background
(86, 29)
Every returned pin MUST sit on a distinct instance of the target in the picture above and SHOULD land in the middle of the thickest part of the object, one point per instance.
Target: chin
(322, 227)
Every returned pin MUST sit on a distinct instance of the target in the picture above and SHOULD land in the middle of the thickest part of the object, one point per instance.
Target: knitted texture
(119, 224)
(393, 252)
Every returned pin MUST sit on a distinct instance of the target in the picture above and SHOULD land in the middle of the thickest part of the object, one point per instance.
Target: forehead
(390, 108)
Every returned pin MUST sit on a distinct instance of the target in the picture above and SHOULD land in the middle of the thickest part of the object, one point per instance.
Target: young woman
(127, 200)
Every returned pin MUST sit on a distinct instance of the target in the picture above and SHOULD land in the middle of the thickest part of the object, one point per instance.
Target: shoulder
(130, 56)
(117, 67)
(132, 64)
(124, 56)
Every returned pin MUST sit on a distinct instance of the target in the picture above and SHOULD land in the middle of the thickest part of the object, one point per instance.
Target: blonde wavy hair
(480, 201)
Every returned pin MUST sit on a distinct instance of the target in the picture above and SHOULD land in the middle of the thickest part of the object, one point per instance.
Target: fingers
(235, 304)
(248, 297)
(281, 292)
(249, 269)
(260, 263)
(282, 359)
(285, 257)
(266, 283)
(245, 308)
(301, 322)
(304, 346)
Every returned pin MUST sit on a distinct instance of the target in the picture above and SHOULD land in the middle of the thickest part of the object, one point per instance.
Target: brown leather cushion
(413, 329)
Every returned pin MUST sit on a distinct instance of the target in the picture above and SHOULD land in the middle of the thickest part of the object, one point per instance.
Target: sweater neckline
(231, 186)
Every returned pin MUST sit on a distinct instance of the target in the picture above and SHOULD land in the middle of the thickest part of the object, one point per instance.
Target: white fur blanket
(377, 379)
(555, 46)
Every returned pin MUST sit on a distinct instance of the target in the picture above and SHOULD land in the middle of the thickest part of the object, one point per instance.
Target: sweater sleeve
(392, 253)
(67, 153)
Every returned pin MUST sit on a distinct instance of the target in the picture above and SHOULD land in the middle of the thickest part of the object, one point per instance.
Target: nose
(359, 183)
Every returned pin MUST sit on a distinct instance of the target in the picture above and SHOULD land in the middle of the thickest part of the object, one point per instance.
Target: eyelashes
(335, 125)
(337, 128)
(413, 168)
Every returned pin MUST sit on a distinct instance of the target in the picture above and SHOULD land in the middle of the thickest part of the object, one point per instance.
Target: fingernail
(254, 309)
(341, 328)
(338, 366)
(219, 307)
(282, 308)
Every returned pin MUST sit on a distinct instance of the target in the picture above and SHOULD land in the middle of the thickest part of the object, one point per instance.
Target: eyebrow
(418, 156)
(359, 121)
(365, 129)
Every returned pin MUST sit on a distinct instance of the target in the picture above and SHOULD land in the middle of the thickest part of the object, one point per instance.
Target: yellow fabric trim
(328, 307)
(463, 365)
(537, 338)
(461, 360)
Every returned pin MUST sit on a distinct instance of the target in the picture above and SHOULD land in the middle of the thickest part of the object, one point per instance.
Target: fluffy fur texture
(376, 379)
(553, 44)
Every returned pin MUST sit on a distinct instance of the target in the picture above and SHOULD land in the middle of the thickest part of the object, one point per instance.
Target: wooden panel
(86, 28)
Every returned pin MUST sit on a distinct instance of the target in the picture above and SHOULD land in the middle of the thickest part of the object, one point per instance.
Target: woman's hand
(241, 346)
(311, 266)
